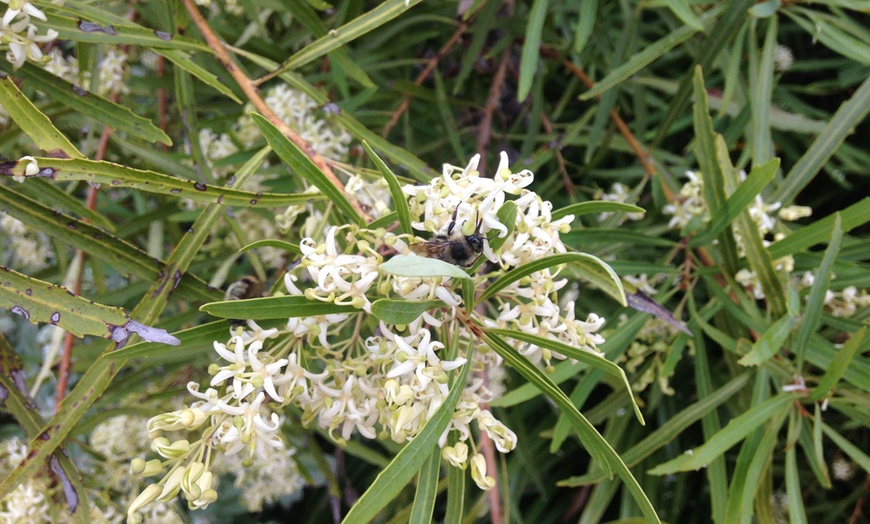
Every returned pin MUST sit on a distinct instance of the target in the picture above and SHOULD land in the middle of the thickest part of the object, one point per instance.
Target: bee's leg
(452, 221)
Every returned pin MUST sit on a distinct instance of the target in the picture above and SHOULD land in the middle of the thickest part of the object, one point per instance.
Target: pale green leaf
(415, 266)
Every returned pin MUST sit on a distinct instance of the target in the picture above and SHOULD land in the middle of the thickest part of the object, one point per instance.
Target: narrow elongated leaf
(821, 231)
(33, 122)
(101, 172)
(668, 432)
(816, 301)
(103, 111)
(18, 402)
(596, 206)
(336, 38)
(585, 22)
(761, 87)
(183, 60)
(854, 452)
(57, 199)
(593, 442)
(427, 489)
(109, 31)
(842, 124)
(531, 47)
(126, 258)
(409, 460)
(736, 430)
(684, 12)
(588, 266)
(402, 312)
(400, 201)
(587, 357)
(649, 54)
(274, 307)
(415, 266)
(302, 166)
(746, 192)
(711, 170)
(770, 342)
(43, 302)
(838, 367)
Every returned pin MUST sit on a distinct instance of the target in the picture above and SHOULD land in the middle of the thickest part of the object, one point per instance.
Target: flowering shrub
(376, 371)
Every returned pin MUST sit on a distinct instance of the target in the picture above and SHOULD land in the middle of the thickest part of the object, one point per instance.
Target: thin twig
(253, 94)
(641, 152)
(430, 66)
(566, 179)
(484, 132)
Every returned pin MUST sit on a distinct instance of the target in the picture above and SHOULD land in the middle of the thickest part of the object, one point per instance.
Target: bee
(245, 287)
(453, 246)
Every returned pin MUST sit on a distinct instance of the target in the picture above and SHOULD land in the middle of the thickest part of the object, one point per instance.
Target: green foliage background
(697, 87)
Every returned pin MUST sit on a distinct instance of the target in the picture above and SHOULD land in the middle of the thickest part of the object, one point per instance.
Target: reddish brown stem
(484, 132)
(430, 66)
(253, 95)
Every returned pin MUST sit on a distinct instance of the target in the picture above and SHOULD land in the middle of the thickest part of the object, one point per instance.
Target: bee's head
(475, 240)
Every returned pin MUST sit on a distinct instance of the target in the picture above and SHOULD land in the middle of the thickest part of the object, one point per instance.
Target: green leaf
(838, 367)
(415, 266)
(103, 111)
(109, 30)
(402, 312)
(184, 61)
(336, 38)
(769, 343)
(593, 442)
(304, 167)
(585, 23)
(409, 460)
(736, 430)
(101, 172)
(596, 206)
(812, 314)
(585, 356)
(531, 48)
(43, 302)
(851, 113)
(761, 87)
(507, 215)
(33, 122)
(427, 489)
(649, 54)
(854, 452)
(684, 12)
(274, 307)
(822, 230)
(711, 171)
(400, 201)
(745, 193)
(126, 258)
(671, 430)
(588, 266)
(279, 244)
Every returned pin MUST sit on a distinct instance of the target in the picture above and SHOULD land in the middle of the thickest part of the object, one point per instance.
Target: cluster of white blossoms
(619, 193)
(690, 208)
(113, 70)
(300, 112)
(19, 35)
(23, 245)
(350, 372)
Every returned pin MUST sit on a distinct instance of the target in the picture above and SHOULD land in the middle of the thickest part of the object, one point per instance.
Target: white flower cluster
(19, 38)
(30, 500)
(23, 245)
(113, 71)
(350, 372)
(620, 193)
(691, 208)
(299, 111)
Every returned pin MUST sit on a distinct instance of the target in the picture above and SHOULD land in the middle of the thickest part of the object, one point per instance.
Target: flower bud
(456, 456)
(478, 473)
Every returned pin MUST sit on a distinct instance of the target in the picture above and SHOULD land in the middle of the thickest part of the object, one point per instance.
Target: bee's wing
(432, 249)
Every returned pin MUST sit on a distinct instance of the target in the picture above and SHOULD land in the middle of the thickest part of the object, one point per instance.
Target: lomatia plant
(387, 344)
